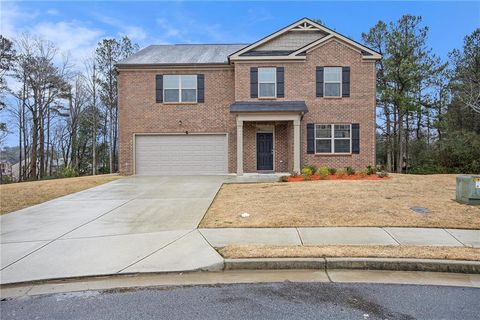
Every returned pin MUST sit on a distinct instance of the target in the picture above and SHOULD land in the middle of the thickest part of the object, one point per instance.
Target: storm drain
(420, 210)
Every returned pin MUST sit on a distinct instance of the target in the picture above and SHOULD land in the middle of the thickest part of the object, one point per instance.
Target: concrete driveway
(136, 224)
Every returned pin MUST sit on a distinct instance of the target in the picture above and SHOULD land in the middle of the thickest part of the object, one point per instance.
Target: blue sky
(76, 26)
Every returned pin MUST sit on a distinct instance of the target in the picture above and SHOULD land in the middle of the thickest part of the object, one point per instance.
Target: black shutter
(159, 88)
(280, 83)
(310, 138)
(200, 88)
(346, 82)
(355, 138)
(253, 82)
(319, 82)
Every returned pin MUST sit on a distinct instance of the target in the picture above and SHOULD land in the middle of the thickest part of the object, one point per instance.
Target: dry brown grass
(16, 196)
(251, 251)
(343, 203)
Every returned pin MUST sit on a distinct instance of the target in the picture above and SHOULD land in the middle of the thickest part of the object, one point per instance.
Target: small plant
(371, 170)
(68, 172)
(307, 172)
(332, 171)
(382, 174)
(364, 173)
(340, 173)
(311, 167)
(350, 171)
(322, 172)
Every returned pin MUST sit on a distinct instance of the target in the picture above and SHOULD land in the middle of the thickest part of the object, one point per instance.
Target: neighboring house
(302, 95)
(5, 169)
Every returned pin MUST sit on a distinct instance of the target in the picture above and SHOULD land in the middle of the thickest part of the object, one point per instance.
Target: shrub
(382, 174)
(311, 167)
(340, 173)
(307, 172)
(68, 172)
(350, 171)
(332, 170)
(371, 170)
(364, 172)
(322, 172)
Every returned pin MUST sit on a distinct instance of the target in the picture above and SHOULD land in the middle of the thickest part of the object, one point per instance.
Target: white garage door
(181, 154)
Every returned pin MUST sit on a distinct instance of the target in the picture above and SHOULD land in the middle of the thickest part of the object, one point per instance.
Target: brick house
(302, 95)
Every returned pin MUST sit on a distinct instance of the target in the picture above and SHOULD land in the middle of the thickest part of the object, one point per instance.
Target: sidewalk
(342, 236)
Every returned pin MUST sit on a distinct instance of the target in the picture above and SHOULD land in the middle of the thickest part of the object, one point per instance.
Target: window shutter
(253, 82)
(159, 88)
(310, 138)
(319, 82)
(346, 82)
(200, 88)
(280, 82)
(355, 138)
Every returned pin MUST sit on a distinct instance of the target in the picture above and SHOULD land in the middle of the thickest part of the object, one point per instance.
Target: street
(277, 301)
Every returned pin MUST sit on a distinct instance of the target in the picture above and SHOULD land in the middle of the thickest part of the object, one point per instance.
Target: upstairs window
(332, 81)
(267, 82)
(180, 88)
(333, 138)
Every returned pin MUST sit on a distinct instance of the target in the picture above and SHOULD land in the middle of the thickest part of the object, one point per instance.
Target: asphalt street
(277, 301)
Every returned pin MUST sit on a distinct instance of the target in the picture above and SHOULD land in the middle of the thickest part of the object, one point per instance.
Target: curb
(391, 264)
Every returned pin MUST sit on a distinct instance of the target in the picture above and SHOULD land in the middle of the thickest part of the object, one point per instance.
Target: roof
(183, 54)
(269, 106)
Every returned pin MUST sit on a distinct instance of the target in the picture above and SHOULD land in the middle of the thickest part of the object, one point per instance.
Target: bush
(332, 170)
(371, 170)
(350, 171)
(382, 174)
(68, 172)
(307, 172)
(340, 173)
(364, 173)
(311, 167)
(322, 172)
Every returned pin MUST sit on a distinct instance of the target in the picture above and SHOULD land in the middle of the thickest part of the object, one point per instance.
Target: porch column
(239, 147)
(296, 145)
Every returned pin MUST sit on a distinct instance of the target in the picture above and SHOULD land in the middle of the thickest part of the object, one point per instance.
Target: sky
(77, 26)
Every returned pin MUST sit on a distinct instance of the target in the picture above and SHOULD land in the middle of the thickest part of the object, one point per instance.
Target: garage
(186, 154)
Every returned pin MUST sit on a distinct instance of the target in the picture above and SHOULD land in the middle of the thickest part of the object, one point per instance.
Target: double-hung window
(332, 81)
(267, 82)
(180, 88)
(333, 138)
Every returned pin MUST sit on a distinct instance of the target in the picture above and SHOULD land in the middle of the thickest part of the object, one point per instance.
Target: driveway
(136, 224)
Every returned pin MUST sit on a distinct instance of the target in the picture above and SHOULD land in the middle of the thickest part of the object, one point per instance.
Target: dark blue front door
(264, 151)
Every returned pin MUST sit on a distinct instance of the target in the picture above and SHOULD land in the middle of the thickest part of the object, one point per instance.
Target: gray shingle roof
(269, 106)
(183, 54)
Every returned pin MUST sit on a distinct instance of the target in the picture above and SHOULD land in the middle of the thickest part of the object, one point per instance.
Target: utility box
(468, 190)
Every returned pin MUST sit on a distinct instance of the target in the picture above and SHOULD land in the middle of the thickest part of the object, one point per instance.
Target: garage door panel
(180, 154)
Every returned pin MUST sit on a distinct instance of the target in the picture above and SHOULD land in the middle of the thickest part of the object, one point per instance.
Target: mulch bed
(356, 176)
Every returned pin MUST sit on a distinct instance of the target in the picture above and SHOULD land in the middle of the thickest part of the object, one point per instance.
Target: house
(302, 95)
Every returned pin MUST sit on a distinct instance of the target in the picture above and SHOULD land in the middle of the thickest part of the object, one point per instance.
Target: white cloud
(135, 33)
(53, 12)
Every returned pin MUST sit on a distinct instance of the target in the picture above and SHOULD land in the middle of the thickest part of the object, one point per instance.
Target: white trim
(332, 139)
(180, 88)
(319, 27)
(274, 83)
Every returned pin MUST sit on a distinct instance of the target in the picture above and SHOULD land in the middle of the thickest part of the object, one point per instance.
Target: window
(180, 88)
(267, 82)
(332, 81)
(333, 138)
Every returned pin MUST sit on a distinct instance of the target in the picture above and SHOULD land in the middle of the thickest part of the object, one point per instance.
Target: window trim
(339, 82)
(274, 83)
(180, 88)
(332, 139)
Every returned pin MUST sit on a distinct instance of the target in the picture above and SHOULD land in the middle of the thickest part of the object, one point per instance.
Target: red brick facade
(139, 113)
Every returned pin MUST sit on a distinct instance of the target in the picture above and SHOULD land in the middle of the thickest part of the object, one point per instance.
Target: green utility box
(468, 189)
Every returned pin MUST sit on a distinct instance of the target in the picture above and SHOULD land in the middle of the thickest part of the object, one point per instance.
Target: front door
(264, 151)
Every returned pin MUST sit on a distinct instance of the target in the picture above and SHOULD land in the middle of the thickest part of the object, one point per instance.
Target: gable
(292, 42)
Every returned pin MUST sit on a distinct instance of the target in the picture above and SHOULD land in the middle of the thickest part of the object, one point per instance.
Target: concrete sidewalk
(342, 236)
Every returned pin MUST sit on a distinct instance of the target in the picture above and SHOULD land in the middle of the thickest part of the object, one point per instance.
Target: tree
(7, 59)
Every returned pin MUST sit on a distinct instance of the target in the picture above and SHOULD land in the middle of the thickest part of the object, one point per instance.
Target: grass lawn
(419, 252)
(343, 203)
(17, 196)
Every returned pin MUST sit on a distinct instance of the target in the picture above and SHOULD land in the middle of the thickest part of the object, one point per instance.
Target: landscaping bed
(16, 196)
(417, 252)
(355, 176)
(329, 203)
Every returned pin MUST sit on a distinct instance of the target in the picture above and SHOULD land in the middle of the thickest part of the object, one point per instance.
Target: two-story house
(302, 95)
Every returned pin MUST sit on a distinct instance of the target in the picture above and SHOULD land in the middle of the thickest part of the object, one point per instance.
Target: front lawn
(16, 196)
(383, 203)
